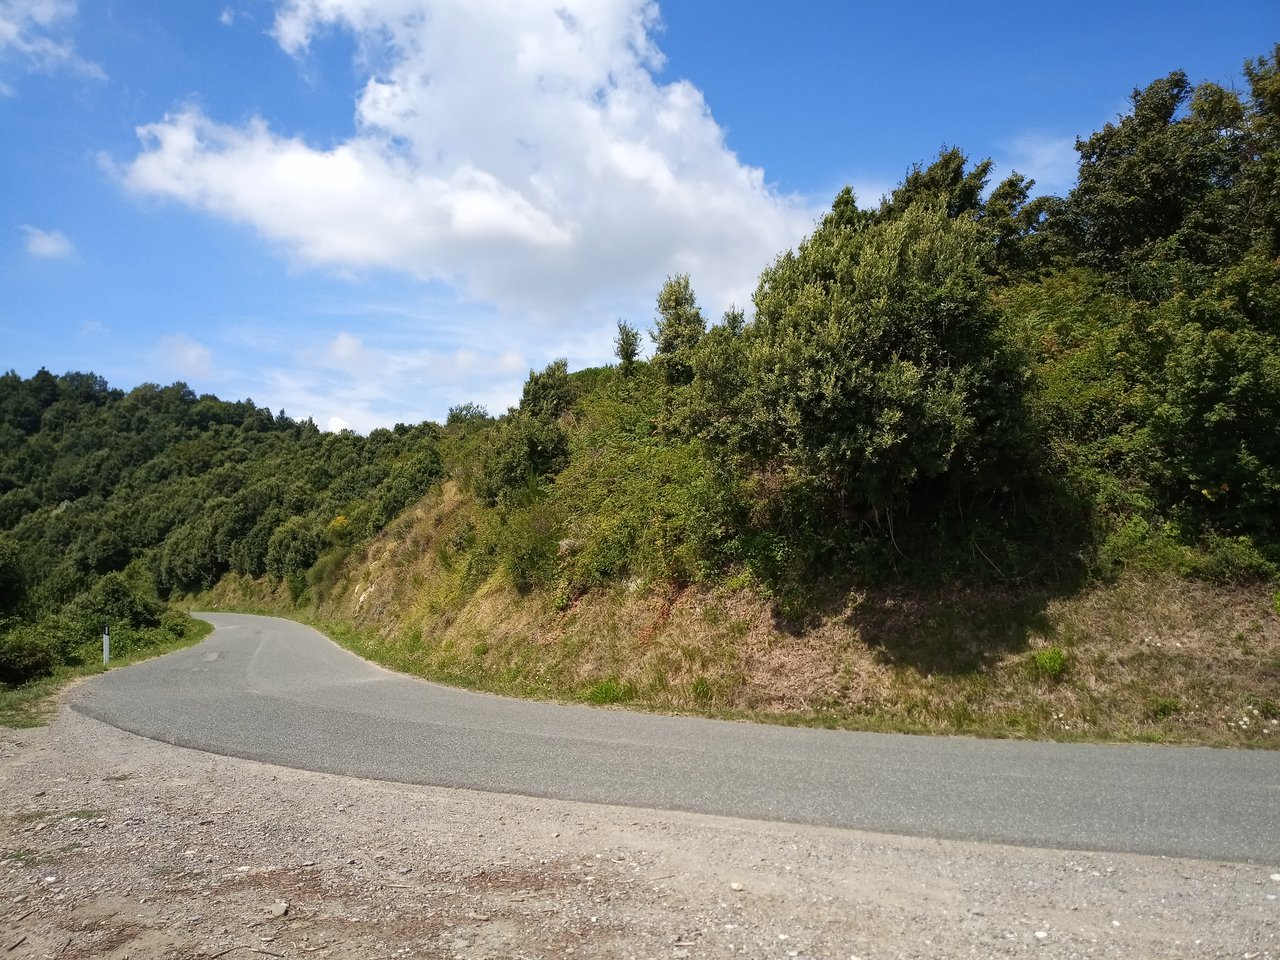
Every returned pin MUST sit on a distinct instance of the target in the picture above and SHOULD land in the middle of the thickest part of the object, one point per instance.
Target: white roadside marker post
(106, 643)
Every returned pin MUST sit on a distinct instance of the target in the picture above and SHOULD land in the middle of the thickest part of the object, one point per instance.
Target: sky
(368, 211)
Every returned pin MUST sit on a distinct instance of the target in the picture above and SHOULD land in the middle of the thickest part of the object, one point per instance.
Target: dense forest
(966, 382)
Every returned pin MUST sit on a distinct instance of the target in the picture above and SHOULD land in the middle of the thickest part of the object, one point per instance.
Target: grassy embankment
(32, 703)
(1149, 657)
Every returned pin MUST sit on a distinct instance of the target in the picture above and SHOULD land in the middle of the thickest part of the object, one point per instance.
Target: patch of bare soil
(112, 846)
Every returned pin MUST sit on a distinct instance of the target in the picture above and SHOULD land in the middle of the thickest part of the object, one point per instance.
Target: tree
(1022, 241)
(946, 180)
(292, 548)
(1160, 185)
(680, 325)
(548, 394)
(468, 416)
(13, 579)
(626, 347)
(1261, 181)
(734, 320)
(875, 362)
(1214, 395)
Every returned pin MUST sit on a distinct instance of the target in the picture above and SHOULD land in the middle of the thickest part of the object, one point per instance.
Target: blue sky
(367, 211)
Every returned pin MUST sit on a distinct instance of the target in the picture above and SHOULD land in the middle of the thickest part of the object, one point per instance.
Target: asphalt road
(273, 690)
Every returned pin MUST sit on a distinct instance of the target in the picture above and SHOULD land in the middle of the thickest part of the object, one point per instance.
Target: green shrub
(529, 543)
(291, 550)
(1137, 544)
(112, 601)
(174, 624)
(327, 570)
(27, 652)
(1230, 560)
(520, 451)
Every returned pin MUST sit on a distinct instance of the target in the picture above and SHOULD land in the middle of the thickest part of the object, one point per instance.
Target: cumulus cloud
(47, 244)
(34, 32)
(524, 151)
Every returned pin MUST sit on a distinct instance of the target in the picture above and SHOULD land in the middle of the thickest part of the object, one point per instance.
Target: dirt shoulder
(113, 846)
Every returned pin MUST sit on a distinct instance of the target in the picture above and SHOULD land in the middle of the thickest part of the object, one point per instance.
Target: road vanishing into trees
(273, 690)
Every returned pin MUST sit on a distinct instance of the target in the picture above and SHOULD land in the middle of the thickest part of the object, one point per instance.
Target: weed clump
(609, 691)
(1050, 662)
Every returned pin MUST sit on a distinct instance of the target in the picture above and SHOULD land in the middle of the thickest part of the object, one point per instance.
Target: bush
(643, 507)
(529, 541)
(28, 652)
(521, 450)
(293, 547)
(13, 586)
(114, 601)
(174, 624)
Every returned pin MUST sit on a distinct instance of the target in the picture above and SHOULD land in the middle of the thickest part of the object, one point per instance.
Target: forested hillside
(111, 502)
(966, 387)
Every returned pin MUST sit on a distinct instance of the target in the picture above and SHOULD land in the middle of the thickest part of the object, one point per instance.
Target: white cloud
(870, 191)
(34, 32)
(185, 357)
(373, 377)
(47, 244)
(344, 382)
(227, 17)
(1051, 160)
(522, 151)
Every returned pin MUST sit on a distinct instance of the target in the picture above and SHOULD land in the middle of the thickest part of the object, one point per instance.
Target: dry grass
(1147, 658)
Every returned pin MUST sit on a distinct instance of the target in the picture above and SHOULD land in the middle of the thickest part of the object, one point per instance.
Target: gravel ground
(113, 846)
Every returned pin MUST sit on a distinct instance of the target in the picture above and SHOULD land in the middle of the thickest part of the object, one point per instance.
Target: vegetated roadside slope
(980, 460)
(1147, 657)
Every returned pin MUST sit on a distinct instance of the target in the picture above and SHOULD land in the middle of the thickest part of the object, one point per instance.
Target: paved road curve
(273, 690)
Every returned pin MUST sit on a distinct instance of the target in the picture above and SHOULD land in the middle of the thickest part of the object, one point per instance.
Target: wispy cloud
(185, 357)
(93, 330)
(47, 244)
(1049, 158)
(524, 153)
(35, 33)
